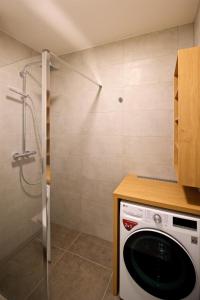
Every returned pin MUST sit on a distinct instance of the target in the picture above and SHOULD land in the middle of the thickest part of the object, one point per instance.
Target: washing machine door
(159, 264)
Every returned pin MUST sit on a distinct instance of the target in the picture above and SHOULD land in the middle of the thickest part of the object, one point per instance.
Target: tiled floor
(80, 269)
(22, 272)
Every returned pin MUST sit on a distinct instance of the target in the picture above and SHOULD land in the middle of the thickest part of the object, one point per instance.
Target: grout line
(34, 288)
(64, 250)
(107, 287)
(72, 243)
(20, 60)
(89, 260)
(53, 265)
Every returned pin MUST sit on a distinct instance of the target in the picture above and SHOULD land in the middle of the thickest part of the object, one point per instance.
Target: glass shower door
(22, 212)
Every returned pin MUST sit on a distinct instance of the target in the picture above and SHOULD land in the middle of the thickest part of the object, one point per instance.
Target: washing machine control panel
(133, 215)
(139, 215)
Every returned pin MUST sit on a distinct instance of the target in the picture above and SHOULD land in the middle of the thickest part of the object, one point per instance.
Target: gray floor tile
(109, 295)
(56, 254)
(93, 248)
(62, 237)
(22, 272)
(74, 278)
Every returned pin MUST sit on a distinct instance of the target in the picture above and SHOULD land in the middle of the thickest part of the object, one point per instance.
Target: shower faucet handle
(26, 154)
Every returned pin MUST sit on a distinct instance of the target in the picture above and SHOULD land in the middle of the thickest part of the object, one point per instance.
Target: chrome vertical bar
(24, 114)
(45, 92)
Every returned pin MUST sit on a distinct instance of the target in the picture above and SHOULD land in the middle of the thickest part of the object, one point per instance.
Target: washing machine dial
(157, 218)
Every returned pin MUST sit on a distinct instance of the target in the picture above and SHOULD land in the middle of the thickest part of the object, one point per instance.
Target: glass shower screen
(23, 212)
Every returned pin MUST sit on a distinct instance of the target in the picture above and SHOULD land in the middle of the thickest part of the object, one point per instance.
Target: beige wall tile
(108, 168)
(103, 123)
(12, 51)
(111, 138)
(96, 220)
(70, 165)
(95, 145)
(148, 169)
(19, 201)
(98, 191)
(151, 45)
(186, 36)
(150, 71)
(66, 208)
(148, 149)
(156, 96)
(148, 123)
(197, 28)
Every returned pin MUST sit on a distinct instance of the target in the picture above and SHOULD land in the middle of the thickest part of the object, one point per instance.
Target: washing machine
(159, 254)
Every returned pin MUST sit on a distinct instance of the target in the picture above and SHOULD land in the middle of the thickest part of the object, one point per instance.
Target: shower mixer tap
(14, 90)
(26, 154)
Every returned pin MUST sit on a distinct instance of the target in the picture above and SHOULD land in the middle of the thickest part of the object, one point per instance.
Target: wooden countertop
(155, 193)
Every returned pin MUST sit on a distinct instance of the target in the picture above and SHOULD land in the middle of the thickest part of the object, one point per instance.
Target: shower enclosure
(31, 93)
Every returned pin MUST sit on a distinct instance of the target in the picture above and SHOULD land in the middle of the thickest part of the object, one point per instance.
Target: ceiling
(65, 26)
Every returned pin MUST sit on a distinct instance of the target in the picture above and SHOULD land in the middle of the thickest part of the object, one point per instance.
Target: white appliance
(159, 254)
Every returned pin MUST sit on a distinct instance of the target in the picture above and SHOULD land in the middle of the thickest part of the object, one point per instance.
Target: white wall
(18, 203)
(96, 140)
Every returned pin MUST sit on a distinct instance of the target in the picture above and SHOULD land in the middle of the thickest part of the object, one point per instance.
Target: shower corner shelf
(48, 174)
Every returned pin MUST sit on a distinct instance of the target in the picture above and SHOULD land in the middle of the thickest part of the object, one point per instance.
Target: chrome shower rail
(69, 66)
(29, 65)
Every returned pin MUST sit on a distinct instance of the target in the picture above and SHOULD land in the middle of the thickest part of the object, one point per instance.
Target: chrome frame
(69, 66)
(45, 212)
(46, 242)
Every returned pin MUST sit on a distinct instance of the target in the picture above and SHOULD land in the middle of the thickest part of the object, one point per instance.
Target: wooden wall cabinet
(187, 117)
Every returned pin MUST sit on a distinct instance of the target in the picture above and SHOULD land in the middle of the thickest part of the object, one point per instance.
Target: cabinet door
(189, 117)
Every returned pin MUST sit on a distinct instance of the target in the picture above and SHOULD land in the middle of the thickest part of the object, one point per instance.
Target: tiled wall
(18, 202)
(96, 140)
(197, 28)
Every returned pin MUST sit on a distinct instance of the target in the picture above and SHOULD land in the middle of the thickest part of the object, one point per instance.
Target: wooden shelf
(176, 69)
(48, 174)
(176, 94)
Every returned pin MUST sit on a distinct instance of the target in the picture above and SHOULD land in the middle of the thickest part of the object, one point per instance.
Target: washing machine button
(157, 219)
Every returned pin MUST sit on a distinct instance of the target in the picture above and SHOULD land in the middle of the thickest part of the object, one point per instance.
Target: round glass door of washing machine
(159, 264)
